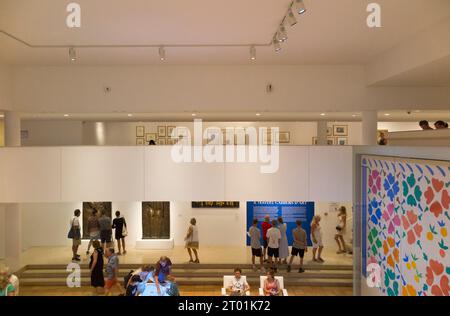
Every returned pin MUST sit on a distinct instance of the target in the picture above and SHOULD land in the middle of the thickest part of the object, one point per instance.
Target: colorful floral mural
(406, 211)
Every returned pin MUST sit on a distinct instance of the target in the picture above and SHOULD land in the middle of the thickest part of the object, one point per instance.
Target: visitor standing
(105, 230)
(93, 228)
(192, 241)
(341, 229)
(255, 243)
(284, 245)
(273, 242)
(265, 227)
(75, 235)
(96, 268)
(316, 236)
(120, 231)
(299, 246)
(112, 272)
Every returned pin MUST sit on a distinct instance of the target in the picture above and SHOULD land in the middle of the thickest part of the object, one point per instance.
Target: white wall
(52, 133)
(217, 227)
(5, 87)
(211, 89)
(2, 231)
(399, 126)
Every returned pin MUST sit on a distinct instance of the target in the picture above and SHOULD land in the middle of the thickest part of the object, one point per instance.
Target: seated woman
(271, 285)
(162, 270)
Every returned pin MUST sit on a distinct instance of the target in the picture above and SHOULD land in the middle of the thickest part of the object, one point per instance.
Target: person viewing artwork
(9, 283)
(105, 230)
(299, 246)
(271, 285)
(93, 228)
(255, 243)
(273, 242)
(284, 245)
(265, 227)
(120, 232)
(238, 286)
(316, 236)
(192, 241)
(75, 235)
(96, 268)
(112, 272)
(425, 125)
(341, 229)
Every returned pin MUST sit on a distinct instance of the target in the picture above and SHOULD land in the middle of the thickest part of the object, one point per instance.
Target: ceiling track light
(282, 34)
(276, 45)
(290, 17)
(300, 6)
(252, 52)
(72, 54)
(162, 53)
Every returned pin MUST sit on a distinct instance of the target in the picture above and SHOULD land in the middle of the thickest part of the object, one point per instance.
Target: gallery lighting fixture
(300, 5)
(282, 34)
(72, 54)
(252, 52)
(66, 115)
(162, 53)
(322, 114)
(194, 115)
(276, 45)
(130, 115)
(258, 114)
(387, 114)
(290, 18)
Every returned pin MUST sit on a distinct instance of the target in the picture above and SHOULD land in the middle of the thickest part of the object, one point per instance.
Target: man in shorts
(255, 242)
(299, 246)
(273, 243)
(93, 228)
(112, 272)
(105, 223)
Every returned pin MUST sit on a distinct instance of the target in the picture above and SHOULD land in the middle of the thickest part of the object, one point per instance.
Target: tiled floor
(193, 290)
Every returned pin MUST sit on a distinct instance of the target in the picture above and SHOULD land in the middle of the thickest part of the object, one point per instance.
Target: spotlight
(252, 53)
(66, 115)
(282, 34)
(276, 45)
(300, 6)
(72, 54)
(258, 114)
(130, 115)
(291, 18)
(162, 53)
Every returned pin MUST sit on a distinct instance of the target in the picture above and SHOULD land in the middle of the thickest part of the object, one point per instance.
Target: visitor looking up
(441, 125)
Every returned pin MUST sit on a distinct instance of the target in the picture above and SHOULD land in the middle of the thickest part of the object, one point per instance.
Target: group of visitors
(9, 283)
(99, 228)
(425, 125)
(275, 249)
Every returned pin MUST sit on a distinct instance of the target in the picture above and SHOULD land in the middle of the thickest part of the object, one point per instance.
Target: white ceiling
(331, 32)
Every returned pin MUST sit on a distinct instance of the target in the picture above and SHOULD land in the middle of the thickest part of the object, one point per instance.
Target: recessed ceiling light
(194, 115)
(66, 115)
(322, 114)
(2, 115)
(130, 115)
(300, 6)
(258, 114)
(387, 114)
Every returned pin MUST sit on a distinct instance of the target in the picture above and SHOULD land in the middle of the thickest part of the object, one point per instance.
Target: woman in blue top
(162, 270)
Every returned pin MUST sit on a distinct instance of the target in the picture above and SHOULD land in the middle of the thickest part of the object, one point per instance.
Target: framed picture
(170, 131)
(172, 141)
(331, 141)
(283, 137)
(342, 141)
(150, 137)
(140, 131)
(340, 130)
(314, 140)
(329, 131)
(267, 138)
(162, 141)
(140, 141)
(161, 131)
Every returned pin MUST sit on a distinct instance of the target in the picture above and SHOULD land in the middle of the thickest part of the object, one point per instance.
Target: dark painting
(155, 220)
(215, 204)
(88, 207)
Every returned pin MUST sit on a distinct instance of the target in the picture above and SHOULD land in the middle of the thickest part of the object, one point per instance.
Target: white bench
(226, 283)
(280, 279)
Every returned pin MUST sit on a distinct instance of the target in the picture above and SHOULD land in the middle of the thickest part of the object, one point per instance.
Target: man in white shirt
(273, 241)
(238, 286)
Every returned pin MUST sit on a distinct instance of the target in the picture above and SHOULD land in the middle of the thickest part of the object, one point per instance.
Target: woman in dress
(271, 285)
(192, 242)
(96, 267)
(284, 246)
(316, 236)
(340, 229)
(118, 224)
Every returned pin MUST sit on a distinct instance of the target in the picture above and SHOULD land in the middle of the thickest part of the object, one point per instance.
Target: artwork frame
(342, 141)
(140, 141)
(150, 136)
(331, 141)
(283, 137)
(140, 131)
(329, 131)
(155, 220)
(162, 141)
(162, 131)
(340, 130)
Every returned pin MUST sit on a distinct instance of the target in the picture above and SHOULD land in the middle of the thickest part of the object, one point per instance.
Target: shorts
(257, 252)
(265, 245)
(109, 283)
(298, 252)
(273, 252)
(105, 236)
(76, 241)
(94, 236)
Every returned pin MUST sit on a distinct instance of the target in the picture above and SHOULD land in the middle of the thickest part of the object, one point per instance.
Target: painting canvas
(161, 131)
(162, 141)
(140, 141)
(406, 214)
(331, 141)
(340, 130)
(342, 141)
(155, 220)
(140, 130)
(283, 137)
(88, 207)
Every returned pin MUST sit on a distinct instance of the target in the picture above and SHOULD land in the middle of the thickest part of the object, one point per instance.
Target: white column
(12, 129)
(94, 133)
(13, 235)
(369, 128)
(322, 133)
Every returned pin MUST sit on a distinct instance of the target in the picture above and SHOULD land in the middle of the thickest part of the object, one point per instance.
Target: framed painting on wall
(340, 130)
(162, 141)
(342, 141)
(150, 137)
(283, 137)
(140, 131)
(140, 141)
(330, 141)
(161, 131)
